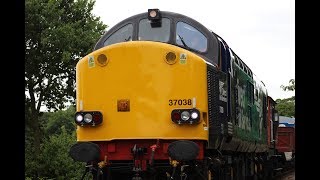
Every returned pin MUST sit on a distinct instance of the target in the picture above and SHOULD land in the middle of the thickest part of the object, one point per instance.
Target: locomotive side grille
(213, 107)
(210, 93)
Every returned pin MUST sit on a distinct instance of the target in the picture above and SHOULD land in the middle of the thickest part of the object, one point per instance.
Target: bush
(53, 122)
(55, 161)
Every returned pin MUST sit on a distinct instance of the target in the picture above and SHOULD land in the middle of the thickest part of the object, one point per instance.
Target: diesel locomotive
(163, 97)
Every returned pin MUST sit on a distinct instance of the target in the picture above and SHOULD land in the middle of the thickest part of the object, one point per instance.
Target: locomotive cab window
(154, 33)
(189, 37)
(121, 35)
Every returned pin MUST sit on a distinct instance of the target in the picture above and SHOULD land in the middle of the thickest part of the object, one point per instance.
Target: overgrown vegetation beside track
(54, 161)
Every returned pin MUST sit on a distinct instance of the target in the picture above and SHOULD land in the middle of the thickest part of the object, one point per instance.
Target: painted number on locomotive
(174, 102)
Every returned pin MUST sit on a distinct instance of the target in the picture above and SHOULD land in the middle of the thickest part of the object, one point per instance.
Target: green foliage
(31, 161)
(55, 161)
(286, 107)
(58, 34)
(54, 121)
(290, 87)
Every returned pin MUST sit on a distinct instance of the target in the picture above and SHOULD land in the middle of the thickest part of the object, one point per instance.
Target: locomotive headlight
(87, 118)
(152, 13)
(79, 118)
(194, 115)
(185, 115)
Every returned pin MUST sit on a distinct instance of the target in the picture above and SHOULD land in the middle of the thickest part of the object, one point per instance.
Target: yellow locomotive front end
(142, 100)
(136, 86)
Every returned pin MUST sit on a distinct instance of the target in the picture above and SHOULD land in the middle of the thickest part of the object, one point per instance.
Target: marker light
(171, 58)
(102, 60)
(97, 118)
(91, 118)
(194, 115)
(79, 118)
(176, 116)
(185, 115)
(87, 118)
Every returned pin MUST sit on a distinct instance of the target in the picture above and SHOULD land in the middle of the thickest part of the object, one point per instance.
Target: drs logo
(180, 102)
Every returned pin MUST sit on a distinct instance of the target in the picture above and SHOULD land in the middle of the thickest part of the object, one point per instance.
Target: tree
(290, 87)
(54, 161)
(57, 34)
(52, 122)
(58, 130)
(286, 107)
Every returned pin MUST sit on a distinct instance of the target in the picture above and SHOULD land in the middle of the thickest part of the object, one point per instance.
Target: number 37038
(174, 102)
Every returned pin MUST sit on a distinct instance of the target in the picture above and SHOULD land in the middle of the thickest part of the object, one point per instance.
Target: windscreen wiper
(184, 44)
(127, 39)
